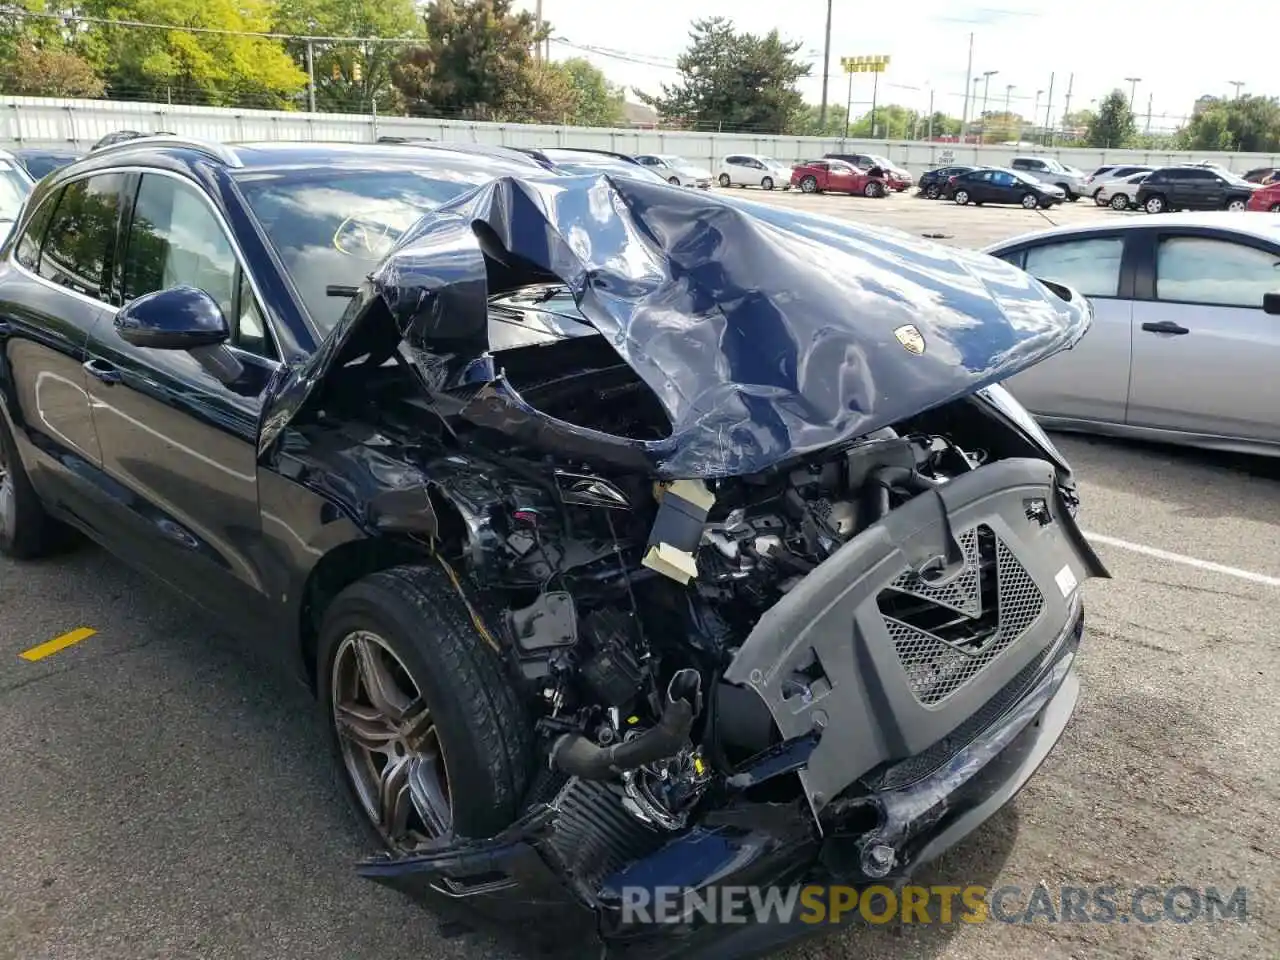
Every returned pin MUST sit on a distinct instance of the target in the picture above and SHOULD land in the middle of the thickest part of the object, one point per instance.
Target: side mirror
(179, 318)
(1271, 303)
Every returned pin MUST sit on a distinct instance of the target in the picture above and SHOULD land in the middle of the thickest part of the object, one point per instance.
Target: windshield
(332, 227)
(880, 161)
(14, 188)
(1054, 165)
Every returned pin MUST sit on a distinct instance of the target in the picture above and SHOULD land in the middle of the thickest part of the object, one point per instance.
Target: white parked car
(676, 170)
(1095, 181)
(1119, 194)
(754, 170)
(15, 187)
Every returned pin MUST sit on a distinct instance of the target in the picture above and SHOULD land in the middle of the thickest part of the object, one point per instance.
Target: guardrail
(56, 122)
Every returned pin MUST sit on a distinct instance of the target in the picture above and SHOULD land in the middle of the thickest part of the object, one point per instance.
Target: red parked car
(836, 176)
(1266, 197)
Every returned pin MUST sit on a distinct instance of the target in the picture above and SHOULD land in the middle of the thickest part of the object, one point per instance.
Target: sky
(636, 42)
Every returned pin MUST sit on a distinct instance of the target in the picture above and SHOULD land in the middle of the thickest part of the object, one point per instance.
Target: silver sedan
(1185, 346)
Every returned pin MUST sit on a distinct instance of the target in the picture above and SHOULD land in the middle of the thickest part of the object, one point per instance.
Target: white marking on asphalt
(1196, 562)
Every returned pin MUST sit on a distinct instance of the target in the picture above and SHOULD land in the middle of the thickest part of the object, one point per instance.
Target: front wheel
(1030, 201)
(1120, 202)
(724, 180)
(962, 197)
(809, 185)
(767, 183)
(873, 190)
(1155, 204)
(674, 181)
(1236, 205)
(428, 733)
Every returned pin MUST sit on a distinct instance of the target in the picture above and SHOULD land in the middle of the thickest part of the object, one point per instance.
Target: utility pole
(1048, 114)
(1071, 82)
(968, 74)
(826, 71)
(1150, 97)
(1133, 89)
(311, 75)
(1237, 84)
(537, 13)
(1008, 117)
(986, 87)
(875, 87)
(1035, 112)
(931, 114)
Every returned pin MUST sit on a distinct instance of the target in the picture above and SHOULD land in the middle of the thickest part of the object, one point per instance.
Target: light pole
(826, 70)
(1008, 117)
(986, 86)
(1237, 84)
(1036, 112)
(1133, 87)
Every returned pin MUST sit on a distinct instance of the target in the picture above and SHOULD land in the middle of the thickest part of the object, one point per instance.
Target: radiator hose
(579, 757)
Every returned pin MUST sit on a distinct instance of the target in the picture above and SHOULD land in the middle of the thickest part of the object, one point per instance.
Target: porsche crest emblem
(912, 340)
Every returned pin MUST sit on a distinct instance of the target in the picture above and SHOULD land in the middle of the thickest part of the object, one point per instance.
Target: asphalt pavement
(164, 796)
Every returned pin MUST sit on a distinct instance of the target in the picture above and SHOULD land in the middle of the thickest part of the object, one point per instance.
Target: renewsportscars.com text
(936, 904)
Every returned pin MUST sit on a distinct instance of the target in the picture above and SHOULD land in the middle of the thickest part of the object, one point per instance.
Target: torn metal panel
(765, 333)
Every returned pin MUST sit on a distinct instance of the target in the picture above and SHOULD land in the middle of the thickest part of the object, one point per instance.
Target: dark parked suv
(1193, 188)
(622, 555)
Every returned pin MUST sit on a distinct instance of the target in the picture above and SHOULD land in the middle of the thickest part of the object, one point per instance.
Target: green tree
(893, 122)
(734, 82)
(943, 125)
(1114, 124)
(50, 70)
(477, 63)
(218, 69)
(1247, 123)
(806, 123)
(1000, 127)
(596, 102)
(350, 76)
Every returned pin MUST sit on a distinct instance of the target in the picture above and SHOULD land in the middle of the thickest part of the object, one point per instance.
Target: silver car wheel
(389, 743)
(8, 498)
(1119, 202)
(1236, 206)
(724, 180)
(1029, 201)
(1155, 205)
(767, 183)
(962, 197)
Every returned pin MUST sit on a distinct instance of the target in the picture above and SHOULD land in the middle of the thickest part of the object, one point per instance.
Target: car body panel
(835, 370)
(1211, 386)
(1266, 199)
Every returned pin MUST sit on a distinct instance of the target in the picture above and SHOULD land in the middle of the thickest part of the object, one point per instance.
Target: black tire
(674, 181)
(767, 183)
(724, 180)
(483, 730)
(1066, 191)
(961, 197)
(1155, 203)
(931, 192)
(873, 190)
(1030, 201)
(809, 184)
(27, 532)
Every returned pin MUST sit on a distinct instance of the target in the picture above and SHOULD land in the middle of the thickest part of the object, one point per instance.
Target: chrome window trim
(222, 222)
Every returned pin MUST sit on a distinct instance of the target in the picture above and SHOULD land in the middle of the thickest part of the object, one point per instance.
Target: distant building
(640, 116)
(1203, 104)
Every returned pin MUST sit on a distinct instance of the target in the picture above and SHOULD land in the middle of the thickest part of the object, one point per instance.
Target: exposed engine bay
(620, 600)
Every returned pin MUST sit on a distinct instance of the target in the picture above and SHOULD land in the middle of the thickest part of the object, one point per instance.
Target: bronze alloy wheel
(8, 500)
(389, 743)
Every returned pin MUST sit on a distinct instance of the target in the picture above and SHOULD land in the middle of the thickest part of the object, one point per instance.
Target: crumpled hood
(765, 333)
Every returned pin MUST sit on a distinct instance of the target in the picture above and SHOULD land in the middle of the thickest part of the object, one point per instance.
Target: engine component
(612, 674)
(663, 793)
(578, 756)
(677, 530)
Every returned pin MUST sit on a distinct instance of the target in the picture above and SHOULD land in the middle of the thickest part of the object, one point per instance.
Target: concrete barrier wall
(55, 122)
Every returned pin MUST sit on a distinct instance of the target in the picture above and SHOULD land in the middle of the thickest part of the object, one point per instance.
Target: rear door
(1206, 358)
(52, 295)
(1089, 382)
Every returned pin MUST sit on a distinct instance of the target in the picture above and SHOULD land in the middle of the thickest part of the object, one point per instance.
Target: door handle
(1165, 326)
(104, 371)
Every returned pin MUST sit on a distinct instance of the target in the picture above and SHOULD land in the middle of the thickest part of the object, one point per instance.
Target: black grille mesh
(998, 601)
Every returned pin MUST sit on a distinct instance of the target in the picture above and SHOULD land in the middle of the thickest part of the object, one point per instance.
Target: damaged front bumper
(899, 754)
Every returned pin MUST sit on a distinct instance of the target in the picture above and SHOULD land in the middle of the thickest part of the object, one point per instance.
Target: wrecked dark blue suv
(630, 537)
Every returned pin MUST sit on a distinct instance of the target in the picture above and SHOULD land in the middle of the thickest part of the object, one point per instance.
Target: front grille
(946, 634)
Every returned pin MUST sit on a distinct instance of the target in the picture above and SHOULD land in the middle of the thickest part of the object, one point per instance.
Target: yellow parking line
(57, 643)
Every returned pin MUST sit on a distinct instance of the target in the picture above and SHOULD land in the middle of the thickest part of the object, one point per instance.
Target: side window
(1203, 270)
(1016, 257)
(733, 161)
(1091, 266)
(175, 240)
(81, 234)
(1003, 179)
(1156, 176)
(1021, 164)
(28, 246)
(988, 175)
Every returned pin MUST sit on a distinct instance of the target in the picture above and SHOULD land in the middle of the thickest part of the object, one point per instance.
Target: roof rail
(217, 151)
